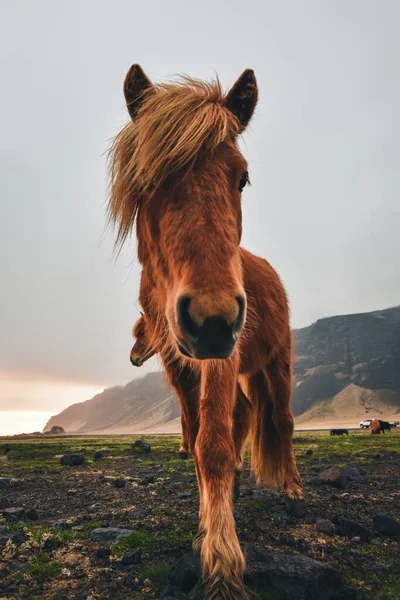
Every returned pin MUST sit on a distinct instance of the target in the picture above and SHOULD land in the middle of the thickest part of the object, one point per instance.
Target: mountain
(346, 368)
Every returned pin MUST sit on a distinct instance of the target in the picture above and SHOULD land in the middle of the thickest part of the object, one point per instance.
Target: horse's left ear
(135, 86)
(242, 98)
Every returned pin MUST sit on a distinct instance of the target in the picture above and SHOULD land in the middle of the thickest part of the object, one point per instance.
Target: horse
(375, 426)
(176, 172)
(339, 432)
(384, 426)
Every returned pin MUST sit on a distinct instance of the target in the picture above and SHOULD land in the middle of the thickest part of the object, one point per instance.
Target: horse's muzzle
(137, 362)
(214, 339)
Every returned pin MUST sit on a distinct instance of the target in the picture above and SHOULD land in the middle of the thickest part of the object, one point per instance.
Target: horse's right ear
(242, 98)
(135, 86)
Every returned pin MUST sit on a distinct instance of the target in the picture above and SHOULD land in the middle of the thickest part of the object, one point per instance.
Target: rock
(108, 535)
(4, 503)
(333, 476)
(351, 473)
(131, 580)
(141, 446)
(32, 514)
(246, 492)
(378, 456)
(170, 592)
(72, 492)
(55, 430)
(187, 572)
(309, 452)
(382, 570)
(72, 460)
(296, 508)
(183, 455)
(386, 525)
(19, 538)
(138, 513)
(132, 558)
(351, 529)
(296, 577)
(103, 553)
(325, 526)
(288, 539)
(147, 480)
(62, 525)
(119, 483)
(101, 453)
(13, 513)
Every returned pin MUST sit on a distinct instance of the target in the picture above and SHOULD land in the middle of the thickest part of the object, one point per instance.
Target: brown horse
(219, 315)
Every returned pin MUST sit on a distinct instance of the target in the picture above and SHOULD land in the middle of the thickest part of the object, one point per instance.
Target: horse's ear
(242, 98)
(135, 85)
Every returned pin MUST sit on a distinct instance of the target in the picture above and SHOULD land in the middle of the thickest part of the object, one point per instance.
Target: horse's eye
(243, 181)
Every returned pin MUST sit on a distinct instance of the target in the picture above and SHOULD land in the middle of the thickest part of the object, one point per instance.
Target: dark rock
(333, 476)
(172, 592)
(141, 446)
(138, 513)
(19, 538)
(351, 473)
(378, 456)
(103, 553)
(62, 525)
(108, 535)
(72, 460)
(32, 514)
(350, 529)
(99, 454)
(386, 525)
(183, 495)
(382, 570)
(72, 492)
(132, 558)
(325, 526)
(187, 572)
(309, 452)
(287, 539)
(14, 514)
(296, 508)
(183, 455)
(147, 480)
(119, 483)
(246, 492)
(296, 577)
(4, 503)
(131, 580)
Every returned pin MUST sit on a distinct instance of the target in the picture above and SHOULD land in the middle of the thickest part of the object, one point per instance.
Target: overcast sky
(323, 150)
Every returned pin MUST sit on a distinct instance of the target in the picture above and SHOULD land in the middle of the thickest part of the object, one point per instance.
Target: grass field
(65, 563)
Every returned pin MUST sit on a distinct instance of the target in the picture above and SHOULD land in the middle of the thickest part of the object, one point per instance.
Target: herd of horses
(216, 314)
(377, 426)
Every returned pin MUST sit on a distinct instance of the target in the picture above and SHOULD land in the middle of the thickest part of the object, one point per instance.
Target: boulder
(132, 558)
(14, 513)
(386, 525)
(141, 446)
(187, 572)
(72, 460)
(325, 526)
(108, 535)
(351, 529)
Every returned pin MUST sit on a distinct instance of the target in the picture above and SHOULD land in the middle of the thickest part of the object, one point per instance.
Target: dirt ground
(49, 550)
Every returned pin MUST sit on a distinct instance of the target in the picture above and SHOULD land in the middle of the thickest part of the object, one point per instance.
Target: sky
(323, 152)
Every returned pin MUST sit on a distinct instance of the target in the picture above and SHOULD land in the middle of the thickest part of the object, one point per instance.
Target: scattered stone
(351, 529)
(32, 514)
(147, 480)
(72, 460)
(62, 525)
(119, 483)
(19, 538)
(132, 558)
(296, 577)
(170, 592)
(386, 525)
(287, 539)
(309, 452)
(141, 446)
(138, 513)
(103, 553)
(325, 526)
(13, 513)
(108, 535)
(296, 508)
(187, 572)
(72, 492)
(333, 476)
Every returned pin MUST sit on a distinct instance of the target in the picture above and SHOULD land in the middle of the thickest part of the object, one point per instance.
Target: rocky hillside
(347, 367)
(362, 350)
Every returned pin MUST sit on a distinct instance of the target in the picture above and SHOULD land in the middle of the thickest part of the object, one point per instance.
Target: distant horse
(219, 316)
(378, 426)
(339, 432)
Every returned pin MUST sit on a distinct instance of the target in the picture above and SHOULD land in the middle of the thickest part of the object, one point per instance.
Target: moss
(137, 539)
(158, 573)
(42, 567)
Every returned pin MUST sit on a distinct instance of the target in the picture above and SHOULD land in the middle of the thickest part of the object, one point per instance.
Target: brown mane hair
(176, 123)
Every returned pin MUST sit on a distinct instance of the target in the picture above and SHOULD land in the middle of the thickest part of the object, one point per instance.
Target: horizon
(323, 151)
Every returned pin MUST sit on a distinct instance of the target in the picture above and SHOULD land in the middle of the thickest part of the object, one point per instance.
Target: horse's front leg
(222, 558)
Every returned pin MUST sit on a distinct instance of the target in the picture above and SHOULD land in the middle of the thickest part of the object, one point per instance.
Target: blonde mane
(175, 123)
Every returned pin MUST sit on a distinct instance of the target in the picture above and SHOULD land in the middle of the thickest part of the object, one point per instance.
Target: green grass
(137, 539)
(42, 567)
(158, 573)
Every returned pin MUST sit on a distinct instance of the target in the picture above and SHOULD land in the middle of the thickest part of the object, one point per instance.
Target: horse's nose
(209, 336)
(136, 361)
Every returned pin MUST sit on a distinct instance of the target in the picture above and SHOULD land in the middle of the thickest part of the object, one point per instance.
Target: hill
(346, 368)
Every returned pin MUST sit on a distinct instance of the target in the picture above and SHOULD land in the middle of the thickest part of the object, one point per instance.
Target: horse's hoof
(183, 455)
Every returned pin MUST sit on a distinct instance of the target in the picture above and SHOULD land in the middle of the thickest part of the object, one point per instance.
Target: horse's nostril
(238, 324)
(185, 321)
